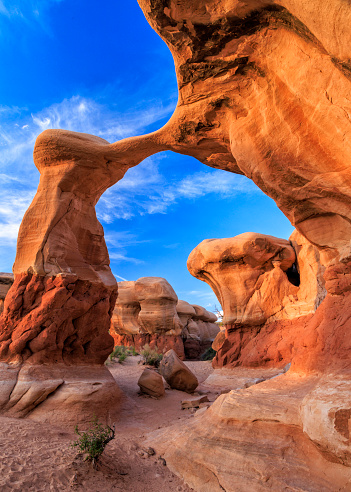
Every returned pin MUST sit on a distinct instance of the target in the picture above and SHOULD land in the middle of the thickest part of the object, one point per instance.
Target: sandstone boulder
(177, 374)
(151, 383)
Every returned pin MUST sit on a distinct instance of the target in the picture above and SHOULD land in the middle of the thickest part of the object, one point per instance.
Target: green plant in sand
(93, 441)
(151, 357)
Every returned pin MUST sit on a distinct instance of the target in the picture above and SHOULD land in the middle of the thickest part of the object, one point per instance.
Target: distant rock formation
(147, 311)
(6, 280)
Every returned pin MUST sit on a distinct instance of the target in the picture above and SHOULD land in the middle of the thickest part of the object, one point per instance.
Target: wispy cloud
(12, 208)
(18, 131)
(25, 10)
(144, 190)
(118, 243)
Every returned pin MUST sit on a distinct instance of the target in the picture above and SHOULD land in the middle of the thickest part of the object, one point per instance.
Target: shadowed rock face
(6, 280)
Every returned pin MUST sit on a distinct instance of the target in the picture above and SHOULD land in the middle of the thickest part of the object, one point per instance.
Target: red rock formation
(160, 343)
(58, 311)
(147, 311)
(264, 90)
(267, 292)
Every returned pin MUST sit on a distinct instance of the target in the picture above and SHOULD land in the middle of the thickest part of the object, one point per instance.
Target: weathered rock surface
(267, 291)
(6, 280)
(57, 313)
(199, 328)
(126, 311)
(247, 274)
(177, 374)
(194, 402)
(264, 90)
(160, 343)
(158, 302)
(151, 383)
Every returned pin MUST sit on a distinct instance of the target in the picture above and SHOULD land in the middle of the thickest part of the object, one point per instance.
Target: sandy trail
(36, 457)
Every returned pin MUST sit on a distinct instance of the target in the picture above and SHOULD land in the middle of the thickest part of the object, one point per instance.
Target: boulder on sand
(151, 383)
(177, 374)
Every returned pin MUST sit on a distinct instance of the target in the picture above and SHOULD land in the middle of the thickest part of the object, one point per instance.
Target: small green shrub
(151, 357)
(209, 354)
(94, 440)
(120, 352)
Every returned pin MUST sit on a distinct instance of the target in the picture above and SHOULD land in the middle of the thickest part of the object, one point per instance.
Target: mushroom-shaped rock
(158, 303)
(151, 383)
(177, 374)
(185, 311)
(247, 274)
(127, 308)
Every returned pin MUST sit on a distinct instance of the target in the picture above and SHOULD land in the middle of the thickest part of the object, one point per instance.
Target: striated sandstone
(59, 308)
(264, 90)
(146, 313)
(268, 288)
(158, 303)
(247, 274)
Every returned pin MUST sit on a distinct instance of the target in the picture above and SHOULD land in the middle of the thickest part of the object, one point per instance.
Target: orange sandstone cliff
(264, 90)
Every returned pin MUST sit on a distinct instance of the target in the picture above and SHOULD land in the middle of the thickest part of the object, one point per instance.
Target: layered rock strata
(268, 289)
(147, 311)
(264, 90)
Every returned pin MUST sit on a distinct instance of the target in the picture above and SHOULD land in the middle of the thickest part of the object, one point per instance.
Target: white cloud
(144, 190)
(120, 278)
(118, 257)
(12, 208)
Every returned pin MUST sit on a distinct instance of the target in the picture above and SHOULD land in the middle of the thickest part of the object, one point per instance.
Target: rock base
(59, 394)
(161, 343)
(288, 433)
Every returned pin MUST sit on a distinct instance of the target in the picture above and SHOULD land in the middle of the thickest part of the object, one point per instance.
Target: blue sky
(99, 68)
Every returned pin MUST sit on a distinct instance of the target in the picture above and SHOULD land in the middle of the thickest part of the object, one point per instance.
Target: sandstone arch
(264, 90)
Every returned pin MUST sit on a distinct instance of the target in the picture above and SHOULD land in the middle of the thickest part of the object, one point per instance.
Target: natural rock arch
(264, 90)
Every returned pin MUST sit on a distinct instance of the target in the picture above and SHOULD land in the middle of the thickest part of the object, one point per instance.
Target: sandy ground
(35, 458)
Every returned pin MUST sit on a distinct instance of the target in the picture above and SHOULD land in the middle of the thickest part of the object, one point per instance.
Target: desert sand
(36, 457)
